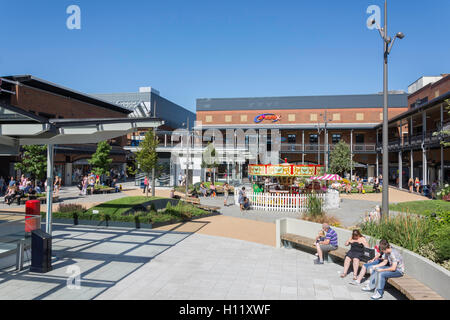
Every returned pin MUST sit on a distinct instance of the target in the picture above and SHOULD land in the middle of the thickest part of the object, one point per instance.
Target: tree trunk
(153, 182)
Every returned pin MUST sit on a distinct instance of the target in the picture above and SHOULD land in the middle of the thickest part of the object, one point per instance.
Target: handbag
(368, 254)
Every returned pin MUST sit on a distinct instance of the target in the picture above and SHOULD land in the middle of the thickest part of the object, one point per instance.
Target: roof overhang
(71, 131)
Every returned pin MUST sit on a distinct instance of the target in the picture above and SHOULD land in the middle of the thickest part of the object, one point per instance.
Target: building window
(208, 119)
(313, 139)
(336, 117)
(335, 138)
(313, 117)
(228, 118)
(359, 116)
(291, 117)
(359, 138)
(381, 116)
(243, 118)
(292, 138)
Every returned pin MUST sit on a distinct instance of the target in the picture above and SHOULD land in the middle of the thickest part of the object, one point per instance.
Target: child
(320, 237)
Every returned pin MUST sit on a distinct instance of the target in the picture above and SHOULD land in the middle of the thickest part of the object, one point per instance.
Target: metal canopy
(63, 131)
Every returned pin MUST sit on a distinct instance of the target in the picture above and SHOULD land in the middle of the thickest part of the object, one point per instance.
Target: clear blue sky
(193, 49)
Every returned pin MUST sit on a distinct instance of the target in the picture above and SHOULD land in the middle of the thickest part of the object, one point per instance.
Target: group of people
(386, 263)
(20, 187)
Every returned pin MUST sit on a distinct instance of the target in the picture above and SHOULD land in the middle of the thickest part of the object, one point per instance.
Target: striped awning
(328, 177)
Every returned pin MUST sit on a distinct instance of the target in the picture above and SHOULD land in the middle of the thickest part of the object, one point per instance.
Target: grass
(425, 207)
(122, 205)
(115, 211)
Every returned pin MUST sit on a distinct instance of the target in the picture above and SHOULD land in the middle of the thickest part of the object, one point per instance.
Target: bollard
(32, 215)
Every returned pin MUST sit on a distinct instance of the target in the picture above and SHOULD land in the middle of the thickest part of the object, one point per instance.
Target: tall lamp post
(388, 44)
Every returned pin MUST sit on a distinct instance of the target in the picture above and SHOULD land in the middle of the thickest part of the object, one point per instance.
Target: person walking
(226, 193)
(410, 184)
(417, 184)
(145, 184)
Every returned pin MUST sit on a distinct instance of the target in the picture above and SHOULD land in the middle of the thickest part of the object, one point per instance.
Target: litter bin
(41, 251)
(32, 215)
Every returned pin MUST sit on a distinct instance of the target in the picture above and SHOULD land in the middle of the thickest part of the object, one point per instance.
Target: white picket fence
(278, 202)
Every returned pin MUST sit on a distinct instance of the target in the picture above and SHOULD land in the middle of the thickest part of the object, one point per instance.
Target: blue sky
(209, 49)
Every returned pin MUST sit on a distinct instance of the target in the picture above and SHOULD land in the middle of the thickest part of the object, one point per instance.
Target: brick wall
(39, 101)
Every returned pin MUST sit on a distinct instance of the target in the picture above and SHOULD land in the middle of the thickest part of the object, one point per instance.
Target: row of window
(313, 117)
(335, 138)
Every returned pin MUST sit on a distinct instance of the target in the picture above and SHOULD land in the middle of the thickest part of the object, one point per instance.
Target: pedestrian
(85, 185)
(180, 179)
(145, 184)
(417, 184)
(410, 184)
(242, 197)
(377, 259)
(357, 243)
(226, 191)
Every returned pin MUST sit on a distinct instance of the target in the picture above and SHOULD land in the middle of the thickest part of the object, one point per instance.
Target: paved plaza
(227, 256)
(119, 263)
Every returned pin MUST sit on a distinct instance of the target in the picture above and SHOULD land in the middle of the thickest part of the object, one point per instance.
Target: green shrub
(408, 231)
(71, 207)
(314, 206)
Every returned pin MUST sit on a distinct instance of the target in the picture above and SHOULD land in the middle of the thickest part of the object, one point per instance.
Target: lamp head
(400, 35)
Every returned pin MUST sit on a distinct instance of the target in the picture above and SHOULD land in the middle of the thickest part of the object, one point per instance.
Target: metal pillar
(303, 147)
(351, 155)
(411, 169)
(385, 195)
(327, 150)
(48, 218)
(400, 170)
(424, 154)
(441, 180)
(378, 166)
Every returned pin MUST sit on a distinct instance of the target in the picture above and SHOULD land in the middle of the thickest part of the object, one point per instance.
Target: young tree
(340, 159)
(101, 161)
(146, 157)
(210, 160)
(33, 161)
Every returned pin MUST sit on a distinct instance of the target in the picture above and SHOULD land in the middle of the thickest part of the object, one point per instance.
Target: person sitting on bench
(329, 244)
(10, 195)
(371, 263)
(357, 243)
(382, 272)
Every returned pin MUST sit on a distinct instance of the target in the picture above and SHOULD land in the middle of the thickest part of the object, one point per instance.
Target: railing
(278, 202)
(323, 147)
(15, 231)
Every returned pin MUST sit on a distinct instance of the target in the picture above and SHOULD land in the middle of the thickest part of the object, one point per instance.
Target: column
(424, 154)
(303, 147)
(351, 154)
(68, 178)
(441, 180)
(327, 150)
(378, 166)
(411, 169)
(48, 218)
(400, 170)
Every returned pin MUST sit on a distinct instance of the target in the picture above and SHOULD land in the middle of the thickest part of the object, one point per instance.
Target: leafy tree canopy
(33, 161)
(101, 161)
(340, 159)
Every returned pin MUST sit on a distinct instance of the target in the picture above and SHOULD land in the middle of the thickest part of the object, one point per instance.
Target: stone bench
(410, 287)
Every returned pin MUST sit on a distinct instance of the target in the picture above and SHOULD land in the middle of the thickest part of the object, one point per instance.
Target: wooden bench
(407, 285)
(23, 200)
(191, 200)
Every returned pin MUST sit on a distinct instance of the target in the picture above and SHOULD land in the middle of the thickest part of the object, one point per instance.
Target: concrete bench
(410, 287)
(191, 200)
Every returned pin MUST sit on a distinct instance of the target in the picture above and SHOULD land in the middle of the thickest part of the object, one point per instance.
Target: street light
(327, 153)
(388, 44)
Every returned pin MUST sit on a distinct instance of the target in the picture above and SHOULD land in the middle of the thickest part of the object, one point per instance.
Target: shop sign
(267, 116)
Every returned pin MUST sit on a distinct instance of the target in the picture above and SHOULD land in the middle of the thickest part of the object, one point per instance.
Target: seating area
(407, 285)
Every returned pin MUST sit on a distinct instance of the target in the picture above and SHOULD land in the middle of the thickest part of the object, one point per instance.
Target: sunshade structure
(328, 177)
(19, 125)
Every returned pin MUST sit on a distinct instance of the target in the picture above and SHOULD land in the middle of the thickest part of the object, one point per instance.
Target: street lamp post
(388, 44)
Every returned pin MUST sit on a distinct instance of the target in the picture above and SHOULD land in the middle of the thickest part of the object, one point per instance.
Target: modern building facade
(148, 102)
(415, 145)
(309, 126)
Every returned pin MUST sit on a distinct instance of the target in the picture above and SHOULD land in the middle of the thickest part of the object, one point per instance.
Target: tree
(33, 162)
(146, 157)
(210, 159)
(340, 159)
(101, 161)
(443, 132)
